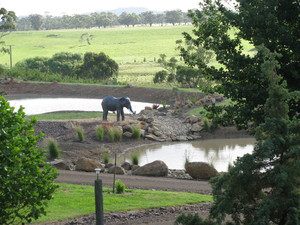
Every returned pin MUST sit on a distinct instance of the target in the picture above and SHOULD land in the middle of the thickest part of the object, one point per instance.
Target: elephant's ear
(123, 100)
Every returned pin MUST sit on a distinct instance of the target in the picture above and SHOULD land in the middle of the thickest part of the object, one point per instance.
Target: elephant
(110, 103)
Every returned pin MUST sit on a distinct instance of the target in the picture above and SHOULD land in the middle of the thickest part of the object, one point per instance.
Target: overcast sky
(61, 7)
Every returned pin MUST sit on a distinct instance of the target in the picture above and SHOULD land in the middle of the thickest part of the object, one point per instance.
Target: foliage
(263, 188)
(120, 187)
(223, 29)
(36, 21)
(190, 219)
(53, 149)
(7, 23)
(97, 66)
(100, 133)
(135, 159)
(80, 133)
(25, 188)
(118, 134)
(136, 132)
(105, 158)
(110, 134)
(160, 76)
(99, 19)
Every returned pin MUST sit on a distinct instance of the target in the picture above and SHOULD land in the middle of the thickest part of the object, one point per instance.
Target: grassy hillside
(135, 49)
(122, 44)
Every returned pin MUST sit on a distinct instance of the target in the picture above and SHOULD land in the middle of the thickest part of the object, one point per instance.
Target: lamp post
(99, 199)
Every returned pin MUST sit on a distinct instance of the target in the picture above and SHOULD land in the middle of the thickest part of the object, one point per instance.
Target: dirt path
(136, 182)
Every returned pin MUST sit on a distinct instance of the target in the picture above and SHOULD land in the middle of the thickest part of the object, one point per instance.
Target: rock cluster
(157, 168)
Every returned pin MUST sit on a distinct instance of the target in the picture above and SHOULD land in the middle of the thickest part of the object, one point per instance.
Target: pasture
(135, 49)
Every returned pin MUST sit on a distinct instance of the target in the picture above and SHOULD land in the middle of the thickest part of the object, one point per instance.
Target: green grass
(76, 200)
(66, 116)
(127, 46)
(122, 44)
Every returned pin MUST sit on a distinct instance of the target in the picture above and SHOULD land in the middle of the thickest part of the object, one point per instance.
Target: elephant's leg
(122, 114)
(105, 112)
(118, 115)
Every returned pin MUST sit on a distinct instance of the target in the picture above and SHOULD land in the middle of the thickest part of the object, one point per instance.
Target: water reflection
(35, 106)
(219, 152)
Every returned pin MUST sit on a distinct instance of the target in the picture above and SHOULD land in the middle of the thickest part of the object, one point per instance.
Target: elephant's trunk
(130, 109)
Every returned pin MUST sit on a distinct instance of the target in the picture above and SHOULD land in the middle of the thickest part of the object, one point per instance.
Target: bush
(53, 149)
(105, 158)
(120, 187)
(118, 134)
(190, 219)
(136, 132)
(111, 134)
(100, 133)
(25, 187)
(135, 159)
(80, 133)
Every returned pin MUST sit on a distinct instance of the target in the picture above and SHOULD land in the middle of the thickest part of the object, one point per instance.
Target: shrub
(207, 125)
(111, 134)
(136, 132)
(100, 132)
(120, 187)
(25, 187)
(135, 159)
(118, 134)
(53, 149)
(105, 158)
(80, 133)
(190, 219)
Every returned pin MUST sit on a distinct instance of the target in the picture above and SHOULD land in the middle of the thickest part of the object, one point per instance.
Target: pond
(218, 152)
(35, 106)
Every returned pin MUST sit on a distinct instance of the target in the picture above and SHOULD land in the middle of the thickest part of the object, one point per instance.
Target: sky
(70, 7)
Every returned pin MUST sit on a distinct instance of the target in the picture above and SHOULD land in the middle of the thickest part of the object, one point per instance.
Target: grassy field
(135, 49)
(76, 200)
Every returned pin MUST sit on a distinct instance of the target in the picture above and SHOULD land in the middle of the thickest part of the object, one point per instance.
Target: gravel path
(136, 182)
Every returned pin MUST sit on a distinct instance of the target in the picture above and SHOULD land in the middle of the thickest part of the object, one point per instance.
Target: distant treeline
(102, 19)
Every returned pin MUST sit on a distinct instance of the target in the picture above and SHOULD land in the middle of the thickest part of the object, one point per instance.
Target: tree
(174, 16)
(222, 30)
(129, 19)
(36, 21)
(97, 66)
(7, 23)
(64, 63)
(148, 17)
(25, 187)
(263, 188)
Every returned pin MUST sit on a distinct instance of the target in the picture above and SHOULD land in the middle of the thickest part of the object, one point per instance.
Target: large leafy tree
(98, 66)
(263, 188)
(36, 21)
(25, 186)
(7, 23)
(222, 28)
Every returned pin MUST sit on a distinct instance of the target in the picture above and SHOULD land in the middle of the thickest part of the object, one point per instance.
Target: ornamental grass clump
(105, 158)
(80, 133)
(53, 149)
(100, 132)
(135, 159)
(120, 187)
(118, 134)
(110, 134)
(136, 132)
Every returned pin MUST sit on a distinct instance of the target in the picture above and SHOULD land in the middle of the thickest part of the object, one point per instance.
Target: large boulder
(88, 165)
(126, 165)
(155, 169)
(61, 164)
(119, 170)
(200, 170)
